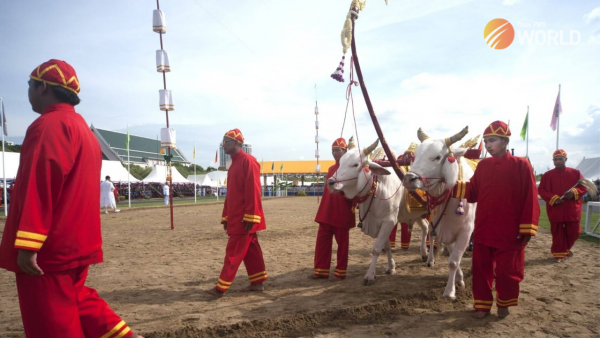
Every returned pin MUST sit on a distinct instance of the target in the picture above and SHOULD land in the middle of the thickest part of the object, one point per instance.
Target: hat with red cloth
(497, 128)
(559, 152)
(235, 134)
(340, 143)
(57, 73)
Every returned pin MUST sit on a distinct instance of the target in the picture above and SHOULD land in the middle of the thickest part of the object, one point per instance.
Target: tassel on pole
(338, 75)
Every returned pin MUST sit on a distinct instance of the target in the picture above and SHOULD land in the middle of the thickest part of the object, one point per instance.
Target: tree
(15, 148)
(209, 169)
(137, 171)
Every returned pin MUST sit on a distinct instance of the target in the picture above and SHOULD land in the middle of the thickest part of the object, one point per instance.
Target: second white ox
(436, 169)
(379, 197)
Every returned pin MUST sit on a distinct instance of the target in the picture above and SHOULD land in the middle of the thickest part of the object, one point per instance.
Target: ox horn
(421, 135)
(370, 148)
(457, 137)
(351, 144)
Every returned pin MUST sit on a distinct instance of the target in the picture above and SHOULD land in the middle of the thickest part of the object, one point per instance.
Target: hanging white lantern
(317, 124)
(317, 153)
(168, 138)
(316, 138)
(162, 61)
(317, 168)
(316, 110)
(166, 100)
(159, 22)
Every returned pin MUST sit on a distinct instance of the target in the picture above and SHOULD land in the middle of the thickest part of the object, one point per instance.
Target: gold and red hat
(235, 134)
(57, 73)
(497, 128)
(340, 143)
(559, 152)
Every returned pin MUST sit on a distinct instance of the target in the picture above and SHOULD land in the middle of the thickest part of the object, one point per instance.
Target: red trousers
(323, 250)
(564, 235)
(404, 236)
(242, 248)
(509, 270)
(58, 304)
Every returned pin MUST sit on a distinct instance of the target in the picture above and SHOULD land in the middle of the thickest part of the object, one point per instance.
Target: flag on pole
(262, 163)
(3, 115)
(194, 153)
(216, 156)
(281, 168)
(273, 166)
(556, 112)
(162, 151)
(524, 129)
(127, 141)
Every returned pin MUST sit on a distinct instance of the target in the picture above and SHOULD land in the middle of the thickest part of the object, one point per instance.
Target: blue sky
(254, 65)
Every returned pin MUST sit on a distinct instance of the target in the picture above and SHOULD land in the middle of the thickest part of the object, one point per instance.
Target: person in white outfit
(107, 196)
(166, 192)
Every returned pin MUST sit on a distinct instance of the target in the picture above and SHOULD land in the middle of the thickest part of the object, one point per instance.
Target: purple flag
(556, 112)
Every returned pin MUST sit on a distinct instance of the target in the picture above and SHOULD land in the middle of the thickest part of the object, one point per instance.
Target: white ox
(378, 212)
(434, 172)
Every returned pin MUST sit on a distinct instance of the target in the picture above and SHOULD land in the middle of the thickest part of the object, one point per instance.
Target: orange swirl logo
(499, 34)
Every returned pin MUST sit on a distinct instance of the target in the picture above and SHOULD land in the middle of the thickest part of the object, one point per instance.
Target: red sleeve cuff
(528, 229)
(29, 240)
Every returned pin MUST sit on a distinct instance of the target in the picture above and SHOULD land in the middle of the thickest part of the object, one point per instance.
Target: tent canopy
(11, 165)
(159, 175)
(590, 168)
(116, 171)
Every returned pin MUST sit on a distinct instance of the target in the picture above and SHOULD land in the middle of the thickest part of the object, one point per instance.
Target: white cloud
(593, 16)
(510, 2)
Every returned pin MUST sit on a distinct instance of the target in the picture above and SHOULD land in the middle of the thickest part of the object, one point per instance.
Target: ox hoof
(424, 258)
(390, 272)
(369, 282)
(430, 264)
(461, 284)
(451, 297)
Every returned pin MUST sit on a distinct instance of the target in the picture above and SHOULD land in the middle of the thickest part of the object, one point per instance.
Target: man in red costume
(507, 215)
(562, 194)
(405, 236)
(52, 233)
(335, 218)
(242, 217)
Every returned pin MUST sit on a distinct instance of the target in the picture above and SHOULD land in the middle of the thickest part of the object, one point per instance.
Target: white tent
(11, 166)
(590, 168)
(201, 180)
(116, 171)
(159, 174)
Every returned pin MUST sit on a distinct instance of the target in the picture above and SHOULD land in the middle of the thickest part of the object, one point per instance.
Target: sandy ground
(154, 277)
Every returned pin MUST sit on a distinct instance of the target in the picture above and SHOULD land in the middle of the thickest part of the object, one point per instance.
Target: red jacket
(243, 201)
(54, 207)
(507, 205)
(553, 185)
(335, 209)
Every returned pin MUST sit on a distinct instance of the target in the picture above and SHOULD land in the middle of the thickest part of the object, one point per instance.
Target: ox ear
(459, 151)
(376, 169)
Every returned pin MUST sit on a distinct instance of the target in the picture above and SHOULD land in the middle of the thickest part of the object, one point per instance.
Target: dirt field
(154, 277)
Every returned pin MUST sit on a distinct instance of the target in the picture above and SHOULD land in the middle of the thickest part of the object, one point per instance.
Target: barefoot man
(52, 233)
(242, 217)
(507, 216)
(563, 204)
(335, 218)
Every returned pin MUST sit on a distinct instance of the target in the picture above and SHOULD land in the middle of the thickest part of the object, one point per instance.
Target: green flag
(127, 141)
(281, 168)
(524, 129)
